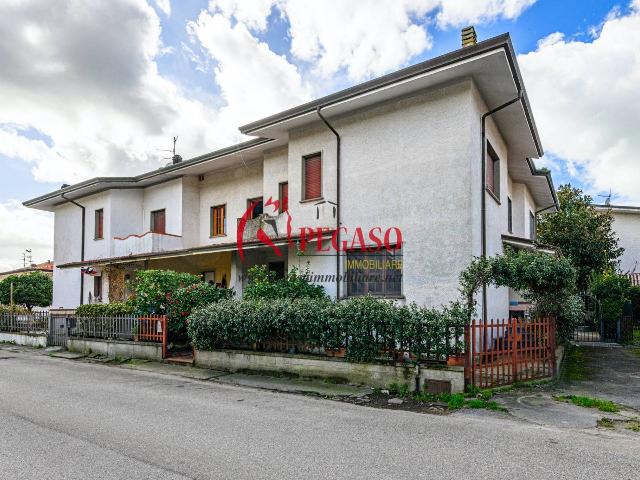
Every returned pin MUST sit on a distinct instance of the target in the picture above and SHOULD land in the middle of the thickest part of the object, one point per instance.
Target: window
(209, 277)
(509, 216)
(97, 287)
(312, 177)
(158, 224)
(277, 268)
(532, 226)
(493, 171)
(218, 220)
(374, 273)
(99, 225)
(284, 197)
(255, 205)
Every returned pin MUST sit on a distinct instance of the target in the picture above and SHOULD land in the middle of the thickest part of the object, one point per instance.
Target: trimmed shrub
(105, 309)
(181, 302)
(263, 284)
(367, 327)
(152, 286)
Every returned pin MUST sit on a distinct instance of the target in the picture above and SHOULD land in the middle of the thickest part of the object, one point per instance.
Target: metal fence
(501, 352)
(35, 322)
(124, 328)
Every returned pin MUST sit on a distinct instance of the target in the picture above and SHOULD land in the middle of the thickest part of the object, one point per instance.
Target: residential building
(626, 224)
(45, 267)
(416, 158)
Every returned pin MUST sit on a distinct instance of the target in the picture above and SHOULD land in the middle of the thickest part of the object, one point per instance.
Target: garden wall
(113, 348)
(29, 339)
(376, 375)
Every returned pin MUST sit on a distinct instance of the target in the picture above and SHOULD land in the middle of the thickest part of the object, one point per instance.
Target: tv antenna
(175, 158)
(608, 198)
(26, 258)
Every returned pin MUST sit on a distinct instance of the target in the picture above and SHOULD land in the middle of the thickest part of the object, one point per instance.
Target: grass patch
(634, 426)
(589, 402)
(605, 422)
(474, 399)
(575, 366)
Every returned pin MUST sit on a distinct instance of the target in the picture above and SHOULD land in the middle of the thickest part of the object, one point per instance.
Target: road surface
(62, 419)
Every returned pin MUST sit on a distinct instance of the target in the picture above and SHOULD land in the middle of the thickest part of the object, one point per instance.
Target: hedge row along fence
(365, 329)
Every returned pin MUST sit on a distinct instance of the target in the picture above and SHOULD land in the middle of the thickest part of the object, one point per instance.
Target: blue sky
(100, 90)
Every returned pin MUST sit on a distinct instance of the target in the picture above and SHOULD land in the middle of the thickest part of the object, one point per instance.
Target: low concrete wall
(113, 348)
(375, 375)
(29, 339)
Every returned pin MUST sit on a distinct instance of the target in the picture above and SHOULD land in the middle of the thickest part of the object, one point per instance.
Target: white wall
(167, 196)
(190, 212)
(232, 187)
(66, 248)
(627, 227)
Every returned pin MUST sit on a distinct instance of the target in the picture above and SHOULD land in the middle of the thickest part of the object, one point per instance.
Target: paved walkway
(606, 371)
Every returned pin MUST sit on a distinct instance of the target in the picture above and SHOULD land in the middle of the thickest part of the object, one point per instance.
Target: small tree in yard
(32, 289)
(584, 235)
(547, 281)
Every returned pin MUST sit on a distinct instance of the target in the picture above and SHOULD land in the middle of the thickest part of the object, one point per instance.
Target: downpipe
(338, 140)
(483, 180)
(81, 244)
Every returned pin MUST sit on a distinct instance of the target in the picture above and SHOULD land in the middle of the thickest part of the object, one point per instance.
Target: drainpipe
(484, 194)
(333, 130)
(81, 245)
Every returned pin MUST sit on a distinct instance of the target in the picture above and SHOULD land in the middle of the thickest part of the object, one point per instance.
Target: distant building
(45, 267)
(626, 224)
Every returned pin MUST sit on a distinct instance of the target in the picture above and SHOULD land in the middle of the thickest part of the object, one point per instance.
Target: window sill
(309, 200)
(382, 297)
(493, 195)
(218, 236)
(98, 239)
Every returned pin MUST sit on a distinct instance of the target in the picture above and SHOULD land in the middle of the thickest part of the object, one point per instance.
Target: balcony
(274, 227)
(146, 243)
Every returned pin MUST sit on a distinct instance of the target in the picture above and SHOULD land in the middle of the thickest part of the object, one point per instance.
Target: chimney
(176, 159)
(469, 36)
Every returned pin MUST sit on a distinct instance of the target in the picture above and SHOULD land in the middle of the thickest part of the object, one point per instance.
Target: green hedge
(368, 328)
(105, 309)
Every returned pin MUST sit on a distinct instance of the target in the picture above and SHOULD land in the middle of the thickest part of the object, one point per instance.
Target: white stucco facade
(626, 225)
(410, 161)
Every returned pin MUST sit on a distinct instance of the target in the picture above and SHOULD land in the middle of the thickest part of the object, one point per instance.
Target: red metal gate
(501, 352)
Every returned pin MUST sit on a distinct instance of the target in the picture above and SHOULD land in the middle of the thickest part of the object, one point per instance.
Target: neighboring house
(410, 156)
(626, 224)
(45, 267)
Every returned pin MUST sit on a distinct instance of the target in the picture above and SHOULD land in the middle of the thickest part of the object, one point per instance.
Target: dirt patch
(391, 402)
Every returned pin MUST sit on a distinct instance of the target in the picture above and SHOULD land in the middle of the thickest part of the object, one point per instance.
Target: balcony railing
(149, 242)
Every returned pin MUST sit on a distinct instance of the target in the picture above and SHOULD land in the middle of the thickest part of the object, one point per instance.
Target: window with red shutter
(493, 171)
(158, 223)
(99, 224)
(284, 197)
(312, 177)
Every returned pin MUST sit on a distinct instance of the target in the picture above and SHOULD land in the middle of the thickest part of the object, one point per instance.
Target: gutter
(483, 186)
(333, 130)
(81, 244)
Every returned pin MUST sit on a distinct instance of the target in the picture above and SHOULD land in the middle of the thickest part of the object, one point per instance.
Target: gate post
(513, 323)
(467, 357)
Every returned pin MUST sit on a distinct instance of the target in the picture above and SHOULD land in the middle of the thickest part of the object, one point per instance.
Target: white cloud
(84, 74)
(254, 81)
(463, 12)
(586, 103)
(368, 37)
(24, 228)
(165, 6)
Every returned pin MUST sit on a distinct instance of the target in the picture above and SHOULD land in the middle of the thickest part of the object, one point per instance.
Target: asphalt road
(62, 419)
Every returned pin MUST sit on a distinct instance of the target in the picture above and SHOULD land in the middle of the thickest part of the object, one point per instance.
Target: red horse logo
(261, 234)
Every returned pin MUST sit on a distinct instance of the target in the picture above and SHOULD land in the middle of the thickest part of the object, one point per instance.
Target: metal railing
(35, 322)
(122, 327)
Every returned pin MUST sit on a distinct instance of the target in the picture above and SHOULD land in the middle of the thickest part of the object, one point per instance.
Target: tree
(583, 234)
(32, 289)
